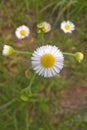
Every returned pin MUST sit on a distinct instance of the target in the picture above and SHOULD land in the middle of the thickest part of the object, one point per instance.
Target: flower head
(67, 26)
(47, 60)
(22, 32)
(44, 26)
(79, 56)
(7, 50)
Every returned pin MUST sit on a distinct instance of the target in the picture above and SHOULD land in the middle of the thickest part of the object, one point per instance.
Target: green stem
(27, 4)
(23, 52)
(7, 104)
(69, 54)
(27, 120)
(42, 38)
(37, 11)
(29, 86)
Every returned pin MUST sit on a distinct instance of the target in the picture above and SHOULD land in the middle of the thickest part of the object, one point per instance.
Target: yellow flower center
(47, 60)
(45, 27)
(67, 27)
(23, 32)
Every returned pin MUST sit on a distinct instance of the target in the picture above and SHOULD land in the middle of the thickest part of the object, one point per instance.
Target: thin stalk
(7, 104)
(69, 54)
(23, 52)
(37, 11)
(27, 4)
(15, 121)
(30, 84)
(27, 121)
(42, 38)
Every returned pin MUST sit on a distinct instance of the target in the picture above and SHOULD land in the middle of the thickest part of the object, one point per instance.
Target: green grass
(42, 110)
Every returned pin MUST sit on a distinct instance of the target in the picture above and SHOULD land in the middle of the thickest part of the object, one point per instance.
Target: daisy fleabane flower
(45, 26)
(7, 50)
(22, 32)
(67, 26)
(47, 60)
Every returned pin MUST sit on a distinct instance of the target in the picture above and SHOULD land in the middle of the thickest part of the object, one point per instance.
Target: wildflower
(7, 50)
(79, 56)
(67, 26)
(47, 60)
(44, 26)
(22, 32)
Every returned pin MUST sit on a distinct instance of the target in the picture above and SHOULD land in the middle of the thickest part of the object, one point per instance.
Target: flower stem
(37, 11)
(69, 54)
(41, 38)
(27, 120)
(23, 52)
(29, 86)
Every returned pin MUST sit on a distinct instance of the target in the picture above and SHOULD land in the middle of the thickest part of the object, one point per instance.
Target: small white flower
(7, 50)
(22, 32)
(67, 26)
(45, 26)
(47, 60)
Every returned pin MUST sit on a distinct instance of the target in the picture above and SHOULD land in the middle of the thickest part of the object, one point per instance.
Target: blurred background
(62, 104)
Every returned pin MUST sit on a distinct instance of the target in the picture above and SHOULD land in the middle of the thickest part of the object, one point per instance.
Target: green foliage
(41, 109)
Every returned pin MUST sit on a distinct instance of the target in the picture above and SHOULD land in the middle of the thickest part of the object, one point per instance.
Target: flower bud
(7, 50)
(24, 97)
(44, 27)
(79, 56)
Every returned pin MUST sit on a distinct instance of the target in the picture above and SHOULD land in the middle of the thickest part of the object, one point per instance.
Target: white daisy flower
(7, 50)
(47, 61)
(45, 26)
(67, 26)
(22, 32)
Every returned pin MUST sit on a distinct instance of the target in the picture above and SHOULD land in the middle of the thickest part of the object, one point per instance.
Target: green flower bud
(40, 25)
(44, 26)
(79, 56)
(24, 97)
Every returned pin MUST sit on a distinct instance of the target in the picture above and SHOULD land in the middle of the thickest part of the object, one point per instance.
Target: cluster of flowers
(46, 60)
(23, 31)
